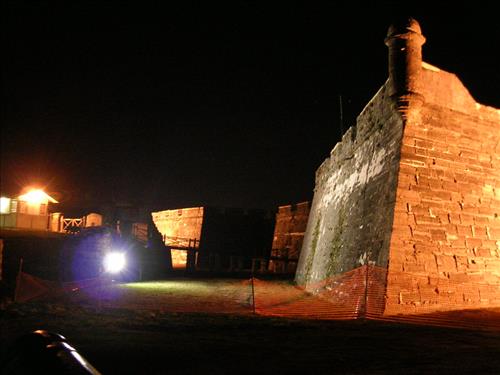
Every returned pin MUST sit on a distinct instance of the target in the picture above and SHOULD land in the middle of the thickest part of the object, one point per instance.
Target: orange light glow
(36, 196)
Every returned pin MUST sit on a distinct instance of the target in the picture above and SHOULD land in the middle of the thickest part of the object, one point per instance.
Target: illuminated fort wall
(220, 234)
(414, 189)
(180, 228)
(445, 241)
(289, 230)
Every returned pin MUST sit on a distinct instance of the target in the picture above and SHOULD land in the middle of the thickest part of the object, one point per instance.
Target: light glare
(4, 205)
(114, 262)
(36, 196)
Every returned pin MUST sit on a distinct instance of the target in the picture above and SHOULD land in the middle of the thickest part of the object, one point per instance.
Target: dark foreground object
(125, 341)
(43, 352)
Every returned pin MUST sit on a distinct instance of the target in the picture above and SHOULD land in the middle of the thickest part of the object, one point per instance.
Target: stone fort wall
(445, 242)
(351, 213)
(414, 190)
(289, 229)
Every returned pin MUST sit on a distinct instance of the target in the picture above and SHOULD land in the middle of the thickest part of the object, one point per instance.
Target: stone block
(473, 242)
(426, 219)
(438, 235)
(446, 263)
(414, 267)
(458, 278)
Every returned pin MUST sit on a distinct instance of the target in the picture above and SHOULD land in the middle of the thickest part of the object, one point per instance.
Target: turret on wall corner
(404, 41)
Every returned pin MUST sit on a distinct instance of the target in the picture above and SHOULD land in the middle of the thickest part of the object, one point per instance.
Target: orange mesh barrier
(273, 299)
(354, 294)
(29, 287)
(359, 293)
(363, 293)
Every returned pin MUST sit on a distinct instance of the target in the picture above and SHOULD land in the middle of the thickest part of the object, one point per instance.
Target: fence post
(365, 310)
(253, 294)
(18, 279)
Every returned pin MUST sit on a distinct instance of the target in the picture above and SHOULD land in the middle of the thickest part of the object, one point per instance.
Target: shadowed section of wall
(351, 213)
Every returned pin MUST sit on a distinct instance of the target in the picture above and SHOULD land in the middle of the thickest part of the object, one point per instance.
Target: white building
(27, 211)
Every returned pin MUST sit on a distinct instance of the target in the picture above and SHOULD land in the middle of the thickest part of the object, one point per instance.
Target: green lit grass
(188, 286)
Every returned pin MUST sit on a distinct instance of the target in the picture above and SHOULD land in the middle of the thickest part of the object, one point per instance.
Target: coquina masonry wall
(289, 230)
(351, 213)
(445, 243)
(179, 226)
(413, 188)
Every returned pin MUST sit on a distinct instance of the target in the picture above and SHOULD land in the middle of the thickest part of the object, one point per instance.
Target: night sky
(228, 104)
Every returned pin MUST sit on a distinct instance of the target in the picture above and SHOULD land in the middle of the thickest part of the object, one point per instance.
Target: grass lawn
(145, 328)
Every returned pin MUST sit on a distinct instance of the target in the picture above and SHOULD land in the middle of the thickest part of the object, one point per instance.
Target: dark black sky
(215, 104)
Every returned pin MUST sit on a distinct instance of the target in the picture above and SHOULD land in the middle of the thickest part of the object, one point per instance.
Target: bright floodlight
(114, 262)
(34, 196)
(37, 196)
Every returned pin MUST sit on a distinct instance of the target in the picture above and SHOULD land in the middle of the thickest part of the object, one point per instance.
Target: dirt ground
(208, 326)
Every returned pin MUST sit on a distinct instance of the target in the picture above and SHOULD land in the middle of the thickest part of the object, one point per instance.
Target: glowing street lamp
(36, 196)
(114, 262)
